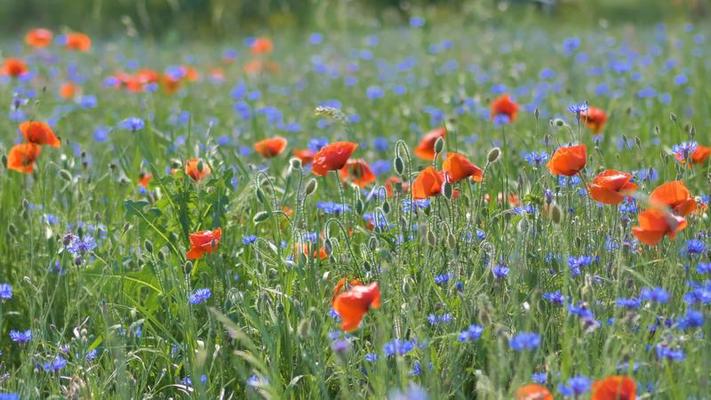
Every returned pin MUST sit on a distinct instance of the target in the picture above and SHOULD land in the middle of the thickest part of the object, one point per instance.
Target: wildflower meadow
(418, 211)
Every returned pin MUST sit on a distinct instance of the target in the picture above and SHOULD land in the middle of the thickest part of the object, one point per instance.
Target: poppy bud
(359, 206)
(439, 145)
(556, 213)
(311, 186)
(260, 216)
(672, 117)
(373, 243)
(536, 113)
(175, 163)
(162, 254)
(692, 132)
(431, 237)
(367, 266)
(295, 164)
(386, 207)
(304, 328)
(12, 230)
(66, 175)
(493, 155)
(260, 196)
(451, 240)
(399, 165)
(148, 245)
(188, 267)
(328, 246)
(4, 159)
(447, 190)
(78, 260)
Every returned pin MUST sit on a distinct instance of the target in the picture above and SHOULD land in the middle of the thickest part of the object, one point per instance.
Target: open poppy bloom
(675, 196)
(353, 304)
(332, 157)
(698, 155)
(654, 224)
(13, 67)
(144, 179)
(428, 183)
(68, 90)
(533, 391)
(614, 388)
(39, 38)
(594, 118)
(22, 157)
(197, 169)
(358, 172)
(262, 45)
(305, 155)
(254, 67)
(78, 41)
(38, 132)
(202, 243)
(457, 167)
(611, 186)
(568, 160)
(271, 147)
(425, 150)
(503, 105)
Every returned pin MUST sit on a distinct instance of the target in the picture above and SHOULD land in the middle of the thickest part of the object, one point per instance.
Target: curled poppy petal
(614, 388)
(655, 223)
(353, 304)
(271, 147)
(568, 160)
(427, 184)
(332, 157)
(611, 186)
(503, 105)
(426, 148)
(358, 172)
(203, 242)
(38, 132)
(594, 118)
(674, 195)
(197, 169)
(533, 391)
(22, 157)
(457, 167)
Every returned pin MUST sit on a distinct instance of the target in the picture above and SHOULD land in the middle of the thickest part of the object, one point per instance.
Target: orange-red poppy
(457, 167)
(614, 388)
(22, 157)
(320, 253)
(533, 391)
(611, 186)
(190, 73)
(393, 183)
(78, 41)
(358, 172)
(353, 304)
(655, 223)
(594, 118)
(39, 37)
(425, 149)
(271, 147)
(674, 195)
(262, 45)
(13, 67)
(698, 156)
(332, 157)
(197, 169)
(202, 243)
(503, 105)
(144, 179)
(170, 84)
(428, 183)
(305, 155)
(568, 160)
(147, 75)
(68, 90)
(39, 132)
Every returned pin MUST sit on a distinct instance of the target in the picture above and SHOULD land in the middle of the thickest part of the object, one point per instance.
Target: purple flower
(55, 365)
(5, 291)
(20, 336)
(132, 124)
(200, 296)
(576, 386)
(525, 341)
(500, 271)
(471, 334)
(655, 295)
(554, 297)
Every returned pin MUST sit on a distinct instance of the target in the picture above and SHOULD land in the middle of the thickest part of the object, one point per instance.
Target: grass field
(159, 247)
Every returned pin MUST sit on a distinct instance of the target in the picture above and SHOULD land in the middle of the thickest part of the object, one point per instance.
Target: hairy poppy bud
(12, 230)
(200, 166)
(311, 187)
(188, 267)
(536, 113)
(692, 132)
(260, 216)
(148, 245)
(386, 207)
(304, 328)
(493, 155)
(556, 213)
(261, 196)
(328, 246)
(359, 206)
(451, 240)
(399, 165)
(431, 237)
(672, 117)
(447, 190)
(295, 164)
(4, 159)
(373, 243)
(66, 175)
(439, 145)
(162, 254)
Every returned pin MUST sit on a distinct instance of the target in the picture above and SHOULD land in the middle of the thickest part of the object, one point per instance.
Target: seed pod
(260, 216)
(493, 155)
(399, 165)
(311, 187)
(439, 145)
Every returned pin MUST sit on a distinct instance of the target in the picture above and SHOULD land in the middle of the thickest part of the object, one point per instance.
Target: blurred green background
(225, 18)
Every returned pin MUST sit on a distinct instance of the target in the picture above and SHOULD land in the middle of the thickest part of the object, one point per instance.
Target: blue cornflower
(374, 92)
(55, 365)
(330, 207)
(371, 357)
(435, 319)
(683, 150)
(20, 336)
(578, 109)
(501, 120)
(628, 206)
(417, 22)
(471, 334)
(132, 124)
(413, 392)
(570, 45)
(442, 279)
(9, 396)
(381, 144)
(692, 319)
(500, 271)
(340, 346)
(315, 144)
(576, 263)
(664, 352)
(398, 347)
(628, 303)
(554, 297)
(257, 380)
(316, 38)
(91, 355)
(576, 386)
(539, 377)
(525, 341)
(680, 80)
(248, 239)
(5, 291)
(654, 295)
(200, 296)
(380, 167)
(414, 205)
(80, 246)
(703, 268)
(693, 247)
(536, 158)
(646, 174)
(581, 311)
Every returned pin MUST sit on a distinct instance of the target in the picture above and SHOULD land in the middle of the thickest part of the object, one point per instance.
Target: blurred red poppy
(614, 388)
(533, 392)
(611, 186)
(332, 157)
(427, 184)
(39, 37)
(271, 147)
(22, 157)
(13, 67)
(594, 119)
(262, 45)
(358, 172)
(78, 41)
(457, 167)
(144, 179)
(305, 155)
(203, 242)
(38, 132)
(654, 224)
(503, 105)
(568, 160)
(197, 169)
(68, 90)
(425, 149)
(674, 195)
(353, 304)
(394, 183)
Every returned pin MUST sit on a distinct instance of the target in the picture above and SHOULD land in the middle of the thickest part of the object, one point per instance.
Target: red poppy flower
(614, 388)
(271, 147)
(305, 155)
(457, 167)
(425, 149)
(611, 186)
(533, 392)
(393, 183)
(39, 38)
(654, 224)
(675, 196)
(332, 157)
(190, 73)
(353, 304)
(503, 105)
(68, 90)
(144, 179)
(262, 45)
(169, 83)
(594, 119)
(202, 243)
(13, 67)
(358, 172)
(428, 183)
(568, 161)
(38, 132)
(78, 41)
(698, 156)
(22, 157)
(197, 169)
